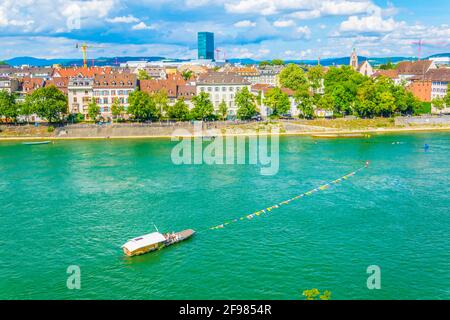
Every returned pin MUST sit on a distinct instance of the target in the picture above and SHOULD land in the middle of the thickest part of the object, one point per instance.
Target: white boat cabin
(143, 244)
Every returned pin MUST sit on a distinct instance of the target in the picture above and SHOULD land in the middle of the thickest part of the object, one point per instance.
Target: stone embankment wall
(423, 121)
(131, 129)
(159, 129)
(119, 130)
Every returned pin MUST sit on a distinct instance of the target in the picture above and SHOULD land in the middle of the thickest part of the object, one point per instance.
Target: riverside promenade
(283, 127)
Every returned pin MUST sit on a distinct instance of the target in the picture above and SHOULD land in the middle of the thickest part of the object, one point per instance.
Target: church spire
(354, 60)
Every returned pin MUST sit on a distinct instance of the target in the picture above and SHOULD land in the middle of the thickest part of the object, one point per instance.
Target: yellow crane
(84, 48)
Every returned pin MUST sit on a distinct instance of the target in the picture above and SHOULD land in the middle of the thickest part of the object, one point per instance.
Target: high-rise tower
(206, 45)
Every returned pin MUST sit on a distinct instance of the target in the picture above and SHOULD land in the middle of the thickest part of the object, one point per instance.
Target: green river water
(77, 202)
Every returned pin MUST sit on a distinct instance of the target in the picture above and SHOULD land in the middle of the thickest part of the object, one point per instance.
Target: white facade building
(9, 85)
(111, 87)
(80, 94)
(269, 75)
(222, 86)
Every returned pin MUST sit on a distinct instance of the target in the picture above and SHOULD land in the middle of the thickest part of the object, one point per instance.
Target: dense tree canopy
(143, 75)
(187, 74)
(447, 97)
(245, 101)
(161, 100)
(275, 62)
(117, 109)
(142, 107)
(277, 101)
(223, 110)
(8, 107)
(178, 111)
(388, 65)
(93, 110)
(293, 77)
(326, 102)
(381, 97)
(203, 107)
(315, 77)
(48, 103)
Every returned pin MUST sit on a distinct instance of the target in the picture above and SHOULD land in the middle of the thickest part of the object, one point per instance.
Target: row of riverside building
(424, 79)
(105, 85)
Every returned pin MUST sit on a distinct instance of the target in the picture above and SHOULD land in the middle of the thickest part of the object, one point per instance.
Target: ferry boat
(154, 241)
(35, 143)
(342, 135)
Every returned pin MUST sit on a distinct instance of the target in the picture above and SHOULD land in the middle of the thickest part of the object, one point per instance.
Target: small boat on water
(154, 241)
(344, 135)
(35, 143)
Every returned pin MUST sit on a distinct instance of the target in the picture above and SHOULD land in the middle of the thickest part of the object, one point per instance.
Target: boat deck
(185, 233)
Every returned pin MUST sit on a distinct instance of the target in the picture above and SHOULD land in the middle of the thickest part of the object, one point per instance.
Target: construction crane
(84, 48)
(224, 54)
(218, 54)
(421, 43)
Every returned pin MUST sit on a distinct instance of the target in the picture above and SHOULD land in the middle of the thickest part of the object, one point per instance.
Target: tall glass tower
(206, 45)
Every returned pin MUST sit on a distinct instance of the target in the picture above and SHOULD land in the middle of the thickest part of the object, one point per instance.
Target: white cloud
(373, 23)
(123, 19)
(306, 14)
(303, 9)
(52, 16)
(304, 31)
(284, 23)
(245, 24)
(340, 8)
(143, 26)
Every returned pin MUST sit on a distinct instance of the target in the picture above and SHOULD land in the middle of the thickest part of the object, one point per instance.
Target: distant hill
(440, 55)
(37, 62)
(19, 61)
(333, 61)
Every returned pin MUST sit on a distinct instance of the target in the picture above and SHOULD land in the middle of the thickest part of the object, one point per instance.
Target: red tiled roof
(186, 91)
(81, 71)
(221, 78)
(171, 85)
(442, 74)
(245, 71)
(60, 82)
(29, 85)
(393, 74)
(416, 67)
(115, 80)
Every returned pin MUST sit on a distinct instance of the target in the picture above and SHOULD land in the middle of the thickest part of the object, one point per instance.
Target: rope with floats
(286, 202)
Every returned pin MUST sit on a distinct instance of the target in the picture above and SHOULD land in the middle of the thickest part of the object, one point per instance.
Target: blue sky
(258, 29)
